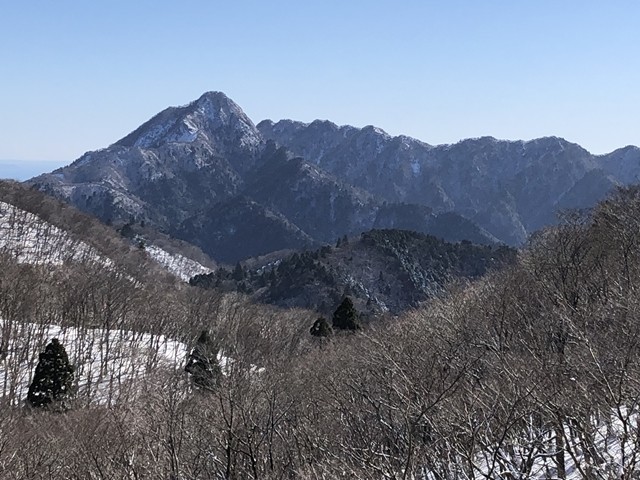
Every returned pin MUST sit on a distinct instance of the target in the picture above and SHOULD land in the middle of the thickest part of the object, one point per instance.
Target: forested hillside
(529, 372)
(382, 270)
(36, 228)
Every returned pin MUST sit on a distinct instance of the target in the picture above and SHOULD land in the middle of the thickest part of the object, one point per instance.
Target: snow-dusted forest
(529, 372)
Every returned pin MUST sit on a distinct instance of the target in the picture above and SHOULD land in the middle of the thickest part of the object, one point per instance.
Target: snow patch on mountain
(182, 267)
(152, 135)
(415, 167)
(187, 136)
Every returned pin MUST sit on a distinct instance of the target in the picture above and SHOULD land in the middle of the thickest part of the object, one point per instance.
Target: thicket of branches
(530, 372)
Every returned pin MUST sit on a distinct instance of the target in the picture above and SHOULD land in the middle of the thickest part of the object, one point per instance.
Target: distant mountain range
(206, 174)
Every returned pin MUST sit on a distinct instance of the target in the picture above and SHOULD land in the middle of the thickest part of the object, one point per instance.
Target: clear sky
(77, 76)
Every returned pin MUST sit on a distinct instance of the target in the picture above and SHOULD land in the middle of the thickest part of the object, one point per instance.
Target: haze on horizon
(79, 77)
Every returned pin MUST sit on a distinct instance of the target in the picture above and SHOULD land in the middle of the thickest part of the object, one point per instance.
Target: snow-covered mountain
(185, 171)
(509, 188)
(181, 160)
(213, 122)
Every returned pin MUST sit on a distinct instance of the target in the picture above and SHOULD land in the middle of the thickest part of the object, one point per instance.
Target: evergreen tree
(321, 328)
(127, 230)
(53, 379)
(203, 364)
(238, 273)
(346, 317)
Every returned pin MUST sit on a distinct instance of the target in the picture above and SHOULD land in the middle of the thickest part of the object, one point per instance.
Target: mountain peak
(213, 95)
(371, 129)
(203, 119)
(214, 102)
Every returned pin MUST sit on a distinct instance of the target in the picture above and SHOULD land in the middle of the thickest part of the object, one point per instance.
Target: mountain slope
(39, 230)
(179, 171)
(383, 270)
(183, 159)
(508, 188)
(315, 201)
(448, 226)
(241, 228)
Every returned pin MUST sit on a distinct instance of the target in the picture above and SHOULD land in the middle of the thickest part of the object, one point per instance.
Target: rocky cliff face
(194, 171)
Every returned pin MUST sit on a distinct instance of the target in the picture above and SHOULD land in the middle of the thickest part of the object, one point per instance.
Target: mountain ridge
(457, 176)
(329, 180)
(382, 270)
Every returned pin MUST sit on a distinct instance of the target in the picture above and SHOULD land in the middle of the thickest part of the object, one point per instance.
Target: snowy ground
(178, 265)
(32, 240)
(609, 450)
(107, 362)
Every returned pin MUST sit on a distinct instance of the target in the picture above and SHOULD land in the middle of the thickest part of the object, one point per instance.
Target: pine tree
(53, 380)
(321, 328)
(238, 273)
(346, 317)
(203, 362)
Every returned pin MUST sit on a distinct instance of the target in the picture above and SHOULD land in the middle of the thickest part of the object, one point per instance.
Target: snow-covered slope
(111, 365)
(608, 451)
(182, 267)
(108, 363)
(30, 239)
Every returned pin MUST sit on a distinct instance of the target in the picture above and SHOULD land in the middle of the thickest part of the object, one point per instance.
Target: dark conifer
(346, 317)
(321, 328)
(203, 364)
(53, 380)
(238, 273)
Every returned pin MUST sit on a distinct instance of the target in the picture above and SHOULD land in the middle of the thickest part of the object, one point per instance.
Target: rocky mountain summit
(206, 174)
(183, 159)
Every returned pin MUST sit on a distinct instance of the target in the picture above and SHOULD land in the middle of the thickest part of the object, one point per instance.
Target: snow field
(30, 239)
(108, 363)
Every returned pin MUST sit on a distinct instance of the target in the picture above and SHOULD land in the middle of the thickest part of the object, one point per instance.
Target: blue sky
(77, 76)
